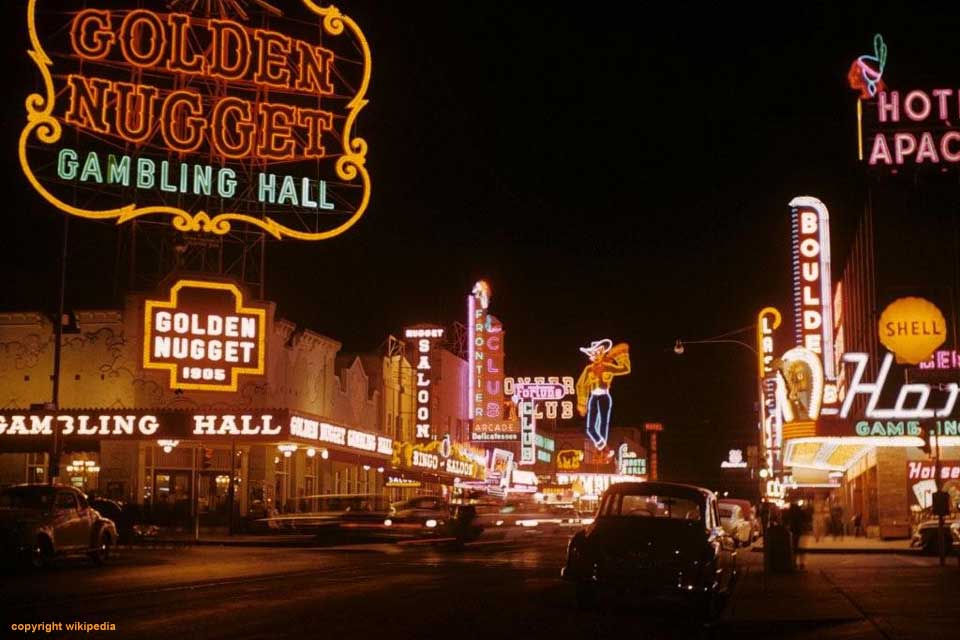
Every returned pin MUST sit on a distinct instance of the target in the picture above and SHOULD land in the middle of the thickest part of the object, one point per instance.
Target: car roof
(43, 487)
(656, 488)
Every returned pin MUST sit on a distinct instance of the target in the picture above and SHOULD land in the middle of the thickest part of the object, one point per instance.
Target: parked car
(733, 522)
(41, 522)
(749, 514)
(653, 540)
(925, 536)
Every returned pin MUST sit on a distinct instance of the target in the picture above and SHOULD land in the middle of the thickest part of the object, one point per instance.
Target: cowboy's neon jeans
(598, 417)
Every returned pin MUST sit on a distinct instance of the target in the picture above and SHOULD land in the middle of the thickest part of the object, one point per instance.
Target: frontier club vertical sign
(486, 354)
(425, 339)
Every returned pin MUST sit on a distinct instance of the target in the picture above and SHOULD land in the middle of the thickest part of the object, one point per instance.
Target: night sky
(611, 172)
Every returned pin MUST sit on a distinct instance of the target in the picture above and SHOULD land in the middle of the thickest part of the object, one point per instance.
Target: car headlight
(430, 524)
(388, 522)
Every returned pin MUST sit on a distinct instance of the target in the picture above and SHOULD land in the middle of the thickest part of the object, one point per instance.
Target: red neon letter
(316, 122)
(314, 69)
(90, 34)
(180, 44)
(182, 133)
(276, 131)
(227, 36)
(274, 49)
(88, 103)
(134, 115)
(240, 115)
(139, 27)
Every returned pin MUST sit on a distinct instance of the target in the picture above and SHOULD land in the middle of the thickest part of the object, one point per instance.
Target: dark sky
(611, 171)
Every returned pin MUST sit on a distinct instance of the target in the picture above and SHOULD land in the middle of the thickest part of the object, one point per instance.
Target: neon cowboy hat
(597, 347)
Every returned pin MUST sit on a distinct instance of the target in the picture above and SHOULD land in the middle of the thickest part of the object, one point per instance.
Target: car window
(726, 512)
(26, 498)
(66, 500)
(669, 507)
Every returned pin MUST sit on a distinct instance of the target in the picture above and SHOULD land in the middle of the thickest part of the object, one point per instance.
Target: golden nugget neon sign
(202, 109)
(204, 336)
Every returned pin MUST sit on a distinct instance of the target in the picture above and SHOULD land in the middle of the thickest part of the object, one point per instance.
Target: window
(644, 506)
(66, 500)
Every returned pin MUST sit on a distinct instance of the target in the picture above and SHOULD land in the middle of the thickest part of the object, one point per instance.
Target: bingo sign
(204, 335)
(207, 114)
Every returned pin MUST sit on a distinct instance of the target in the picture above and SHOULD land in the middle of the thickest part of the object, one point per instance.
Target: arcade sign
(204, 336)
(205, 119)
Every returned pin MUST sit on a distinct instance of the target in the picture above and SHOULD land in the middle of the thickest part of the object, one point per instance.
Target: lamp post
(679, 348)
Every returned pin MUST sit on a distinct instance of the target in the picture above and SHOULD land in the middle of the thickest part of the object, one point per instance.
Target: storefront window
(36, 468)
(281, 490)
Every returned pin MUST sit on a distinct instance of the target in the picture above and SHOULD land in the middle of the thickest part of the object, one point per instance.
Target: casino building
(897, 289)
(311, 421)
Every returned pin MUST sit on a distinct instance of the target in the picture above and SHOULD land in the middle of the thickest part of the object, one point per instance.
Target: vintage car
(41, 522)
(925, 535)
(652, 540)
(733, 522)
(419, 516)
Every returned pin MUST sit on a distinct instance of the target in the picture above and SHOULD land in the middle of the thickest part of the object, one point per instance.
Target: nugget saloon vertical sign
(208, 114)
(204, 335)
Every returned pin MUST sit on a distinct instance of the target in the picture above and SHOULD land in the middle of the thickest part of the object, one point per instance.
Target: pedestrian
(795, 521)
(821, 521)
(857, 525)
(836, 521)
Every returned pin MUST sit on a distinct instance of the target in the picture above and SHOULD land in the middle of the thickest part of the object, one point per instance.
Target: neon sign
(912, 127)
(912, 328)
(903, 408)
(800, 385)
(569, 459)
(204, 335)
(593, 388)
(528, 432)
(485, 379)
(548, 391)
(943, 360)
(866, 72)
(205, 109)
(425, 340)
(734, 460)
(813, 284)
(768, 320)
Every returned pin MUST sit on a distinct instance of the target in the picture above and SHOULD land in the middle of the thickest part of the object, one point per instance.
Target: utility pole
(56, 445)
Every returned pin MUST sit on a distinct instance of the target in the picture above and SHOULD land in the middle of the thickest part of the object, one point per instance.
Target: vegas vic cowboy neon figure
(593, 387)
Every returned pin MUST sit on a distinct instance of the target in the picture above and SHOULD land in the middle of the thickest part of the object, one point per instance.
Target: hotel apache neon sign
(204, 335)
(171, 107)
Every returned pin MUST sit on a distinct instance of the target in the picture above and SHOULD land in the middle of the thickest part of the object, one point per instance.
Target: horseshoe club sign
(243, 116)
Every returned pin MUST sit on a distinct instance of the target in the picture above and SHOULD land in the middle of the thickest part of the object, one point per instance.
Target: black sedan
(654, 539)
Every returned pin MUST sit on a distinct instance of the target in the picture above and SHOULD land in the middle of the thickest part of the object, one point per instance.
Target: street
(505, 589)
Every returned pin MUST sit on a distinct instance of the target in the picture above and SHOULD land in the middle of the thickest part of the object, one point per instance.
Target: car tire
(586, 595)
(101, 554)
(42, 554)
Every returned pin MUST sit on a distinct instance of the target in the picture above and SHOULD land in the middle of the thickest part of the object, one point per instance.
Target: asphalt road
(492, 591)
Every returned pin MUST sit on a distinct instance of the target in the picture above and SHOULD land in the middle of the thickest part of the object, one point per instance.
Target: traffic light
(206, 460)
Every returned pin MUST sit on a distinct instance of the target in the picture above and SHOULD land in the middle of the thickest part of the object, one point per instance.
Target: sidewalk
(779, 605)
(850, 544)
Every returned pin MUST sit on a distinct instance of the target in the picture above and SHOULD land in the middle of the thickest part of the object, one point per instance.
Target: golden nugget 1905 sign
(211, 115)
(204, 336)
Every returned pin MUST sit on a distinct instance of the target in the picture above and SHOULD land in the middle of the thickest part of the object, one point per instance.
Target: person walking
(795, 522)
(836, 521)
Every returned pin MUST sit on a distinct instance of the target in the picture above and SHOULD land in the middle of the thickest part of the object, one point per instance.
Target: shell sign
(912, 328)
(209, 115)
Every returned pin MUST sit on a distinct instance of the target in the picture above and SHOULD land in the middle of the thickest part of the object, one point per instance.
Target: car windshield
(651, 506)
(26, 498)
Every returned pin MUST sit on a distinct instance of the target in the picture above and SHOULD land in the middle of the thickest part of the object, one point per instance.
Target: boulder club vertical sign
(204, 335)
(208, 114)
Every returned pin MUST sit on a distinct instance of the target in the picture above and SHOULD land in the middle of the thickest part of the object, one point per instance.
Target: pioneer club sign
(208, 119)
(204, 336)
